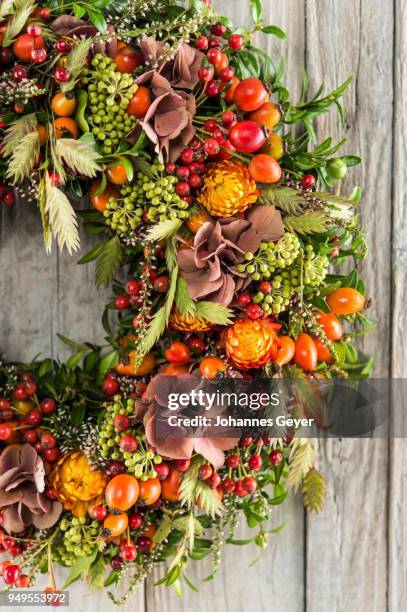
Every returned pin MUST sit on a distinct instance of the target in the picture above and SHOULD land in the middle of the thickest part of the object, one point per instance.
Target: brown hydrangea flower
(22, 484)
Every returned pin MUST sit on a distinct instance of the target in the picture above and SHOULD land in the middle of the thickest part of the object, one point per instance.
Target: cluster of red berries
(189, 169)
(254, 311)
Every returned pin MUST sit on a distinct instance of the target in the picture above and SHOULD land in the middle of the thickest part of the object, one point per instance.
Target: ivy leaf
(62, 218)
(76, 61)
(256, 10)
(78, 155)
(108, 261)
(164, 229)
(214, 312)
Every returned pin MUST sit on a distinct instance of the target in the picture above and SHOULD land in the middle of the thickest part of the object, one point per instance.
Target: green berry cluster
(282, 288)
(109, 95)
(315, 267)
(159, 196)
(141, 462)
(79, 539)
(272, 256)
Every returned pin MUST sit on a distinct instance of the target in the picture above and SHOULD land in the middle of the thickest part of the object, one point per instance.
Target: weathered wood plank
(279, 574)
(346, 545)
(397, 587)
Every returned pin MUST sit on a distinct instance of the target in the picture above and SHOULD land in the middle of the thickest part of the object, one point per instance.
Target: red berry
(240, 491)
(116, 467)
(48, 405)
(244, 299)
(228, 117)
(233, 461)
(6, 57)
(99, 513)
(218, 29)
(201, 43)
(182, 464)
(144, 544)
(214, 56)
(195, 143)
(34, 29)
(162, 470)
(4, 404)
(50, 493)
(8, 198)
(210, 125)
(48, 440)
(276, 457)
(182, 188)
(128, 552)
(205, 472)
(228, 486)
(254, 311)
(33, 417)
(195, 168)
(56, 179)
(30, 387)
(227, 74)
(255, 462)
(214, 480)
(121, 422)
(30, 436)
(187, 155)
(62, 75)
(11, 574)
(122, 302)
(38, 56)
(116, 563)
(236, 41)
(51, 454)
(19, 73)
(183, 173)
(245, 442)
(194, 181)
(63, 46)
(308, 181)
(133, 287)
(214, 42)
(265, 287)
(15, 550)
(135, 521)
(6, 431)
(205, 74)
(212, 89)
(170, 168)
(128, 444)
(249, 484)
(211, 147)
(110, 386)
(196, 345)
(23, 581)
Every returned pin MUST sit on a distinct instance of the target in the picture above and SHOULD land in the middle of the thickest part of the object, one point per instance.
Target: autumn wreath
(215, 203)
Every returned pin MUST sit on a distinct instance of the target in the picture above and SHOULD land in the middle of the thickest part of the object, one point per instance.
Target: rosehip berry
(63, 46)
(276, 457)
(33, 417)
(23, 581)
(15, 550)
(122, 302)
(62, 75)
(11, 574)
(133, 287)
(116, 467)
(195, 168)
(128, 444)
(99, 513)
(233, 461)
(3, 566)
(19, 73)
(7, 415)
(30, 387)
(249, 483)
(255, 462)
(6, 431)
(205, 74)
(194, 181)
(162, 470)
(214, 42)
(218, 29)
(38, 56)
(245, 442)
(211, 147)
(128, 553)
(51, 454)
(212, 89)
(201, 43)
(110, 386)
(48, 440)
(228, 486)
(228, 117)
(182, 464)
(170, 168)
(187, 155)
(34, 29)
(135, 521)
(182, 188)
(144, 544)
(227, 74)
(4, 404)
(254, 311)
(265, 287)
(116, 563)
(236, 41)
(8, 198)
(244, 299)
(240, 491)
(205, 472)
(214, 56)
(48, 405)
(183, 173)
(6, 56)
(121, 422)
(30, 436)
(161, 284)
(214, 480)
(308, 181)
(19, 108)
(50, 493)
(195, 143)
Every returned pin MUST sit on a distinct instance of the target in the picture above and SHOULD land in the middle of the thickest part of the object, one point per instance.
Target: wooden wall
(352, 555)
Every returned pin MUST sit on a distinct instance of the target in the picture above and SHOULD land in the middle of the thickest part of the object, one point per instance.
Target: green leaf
(164, 528)
(351, 160)
(171, 253)
(91, 255)
(288, 200)
(112, 578)
(256, 10)
(96, 573)
(108, 361)
(214, 312)
(98, 20)
(155, 330)
(164, 229)
(276, 31)
(76, 359)
(81, 566)
(310, 223)
(128, 166)
(185, 304)
(70, 343)
(78, 414)
(109, 261)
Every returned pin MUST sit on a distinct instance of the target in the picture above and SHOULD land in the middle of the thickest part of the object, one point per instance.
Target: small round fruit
(285, 351)
(99, 200)
(212, 367)
(250, 95)
(230, 92)
(149, 491)
(65, 127)
(267, 115)
(323, 353)
(64, 105)
(115, 524)
(174, 370)
(116, 173)
(196, 221)
(247, 136)
(128, 368)
(178, 353)
(276, 457)
(25, 44)
(140, 102)
(274, 146)
(122, 492)
(236, 41)
(170, 486)
(128, 59)
(336, 169)
(331, 325)
(306, 356)
(346, 301)
(11, 574)
(42, 134)
(265, 169)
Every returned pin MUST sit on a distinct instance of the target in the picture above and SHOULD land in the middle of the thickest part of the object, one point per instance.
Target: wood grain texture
(346, 545)
(397, 530)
